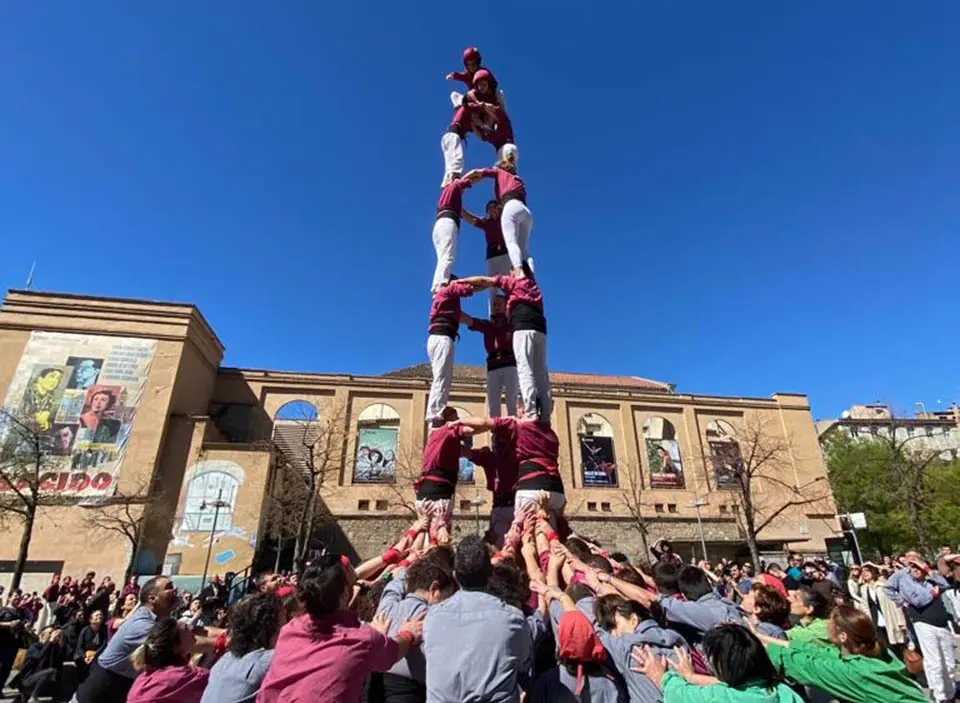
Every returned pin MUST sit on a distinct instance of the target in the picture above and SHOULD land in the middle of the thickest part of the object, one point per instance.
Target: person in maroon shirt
(471, 76)
(536, 451)
(445, 317)
(447, 227)
(441, 466)
(516, 220)
(472, 62)
(501, 362)
(498, 262)
(494, 125)
(529, 324)
(499, 463)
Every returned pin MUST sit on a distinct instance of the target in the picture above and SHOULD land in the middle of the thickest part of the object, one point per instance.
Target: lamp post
(216, 505)
(698, 503)
(477, 503)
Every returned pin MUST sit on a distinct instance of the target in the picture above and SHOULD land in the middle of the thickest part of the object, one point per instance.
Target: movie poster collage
(80, 394)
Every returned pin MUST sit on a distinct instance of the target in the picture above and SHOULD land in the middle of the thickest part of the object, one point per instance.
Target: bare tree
(909, 463)
(122, 514)
(409, 468)
(631, 498)
(309, 457)
(26, 459)
(752, 467)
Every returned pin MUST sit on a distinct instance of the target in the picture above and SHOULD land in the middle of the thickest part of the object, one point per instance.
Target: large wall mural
(81, 393)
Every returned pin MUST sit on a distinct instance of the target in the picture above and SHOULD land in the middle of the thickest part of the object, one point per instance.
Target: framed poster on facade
(597, 461)
(666, 468)
(376, 460)
(726, 460)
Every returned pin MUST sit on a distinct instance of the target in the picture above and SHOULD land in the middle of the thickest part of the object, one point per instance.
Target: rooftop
(466, 372)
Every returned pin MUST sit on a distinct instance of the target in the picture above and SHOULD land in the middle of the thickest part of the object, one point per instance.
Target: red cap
(471, 53)
(774, 582)
(578, 642)
(481, 75)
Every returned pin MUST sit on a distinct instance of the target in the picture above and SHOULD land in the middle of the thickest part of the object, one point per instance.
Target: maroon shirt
(502, 133)
(466, 77)
(441, 460)
(500, 468)
(535, 441)
(524, 303)
(451, 198)
(497, 340)
(493, 233)
(445, 308)
(506, 184)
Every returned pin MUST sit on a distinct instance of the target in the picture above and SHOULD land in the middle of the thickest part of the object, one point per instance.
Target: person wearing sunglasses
(325, 654)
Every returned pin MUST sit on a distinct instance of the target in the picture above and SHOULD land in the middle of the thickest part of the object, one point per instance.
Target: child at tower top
(472, 64)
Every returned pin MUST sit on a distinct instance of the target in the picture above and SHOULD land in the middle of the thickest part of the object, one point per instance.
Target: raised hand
(380, 623)
(413, 626)
(682, 664)
(649, 664)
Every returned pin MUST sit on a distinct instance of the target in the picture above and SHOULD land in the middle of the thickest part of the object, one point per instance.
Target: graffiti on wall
(80, 393)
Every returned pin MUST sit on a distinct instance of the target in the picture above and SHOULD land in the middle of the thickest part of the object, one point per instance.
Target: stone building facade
(202, 443)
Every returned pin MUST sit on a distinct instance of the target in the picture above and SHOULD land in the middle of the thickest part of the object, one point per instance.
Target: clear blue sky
(740, 198)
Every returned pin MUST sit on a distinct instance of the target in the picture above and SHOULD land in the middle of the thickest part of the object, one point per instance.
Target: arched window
(376, 460)
(597, 459)
(663, 453)
(204, 491)
(724, 453)
(466, 472)
(297, 410)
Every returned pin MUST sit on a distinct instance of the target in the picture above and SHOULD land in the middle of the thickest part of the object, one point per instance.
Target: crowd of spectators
(550, 616)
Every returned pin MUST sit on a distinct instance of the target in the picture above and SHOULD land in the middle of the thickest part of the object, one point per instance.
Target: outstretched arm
(479, 282)
(476, 425)
(470, 217)
(465, 319)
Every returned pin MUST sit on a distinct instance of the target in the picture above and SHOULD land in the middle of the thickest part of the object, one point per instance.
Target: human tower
(521, 465)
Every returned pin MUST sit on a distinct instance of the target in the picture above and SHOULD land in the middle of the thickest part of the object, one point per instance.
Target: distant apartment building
(926, 431)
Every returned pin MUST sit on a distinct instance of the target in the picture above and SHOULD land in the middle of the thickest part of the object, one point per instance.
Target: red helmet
(471, 54)
(481, 75)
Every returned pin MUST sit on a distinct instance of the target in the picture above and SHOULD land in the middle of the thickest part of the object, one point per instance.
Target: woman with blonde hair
(516, 220)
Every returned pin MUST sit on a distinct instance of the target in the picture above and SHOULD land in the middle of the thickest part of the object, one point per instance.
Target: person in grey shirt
(112, 674)
(411, 592)
(254, 627)
(475, 645)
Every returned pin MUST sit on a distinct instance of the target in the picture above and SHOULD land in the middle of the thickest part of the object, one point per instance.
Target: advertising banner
(80, 393)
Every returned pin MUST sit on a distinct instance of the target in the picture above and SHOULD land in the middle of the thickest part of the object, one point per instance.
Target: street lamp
(477, 503)
(216, 505)
(698, 503)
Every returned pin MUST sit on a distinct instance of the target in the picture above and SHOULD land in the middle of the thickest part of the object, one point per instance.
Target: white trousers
(530, 348)
(502, 381)
(558, 501)
(445, 233)
(452, 147)
(497, 266)
(516, 221)
(939, 659)
(440, 351)
(431, 504)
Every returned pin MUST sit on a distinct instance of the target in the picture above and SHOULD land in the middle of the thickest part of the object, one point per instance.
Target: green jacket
(851, 678)
(677, 689)
(814, 633)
